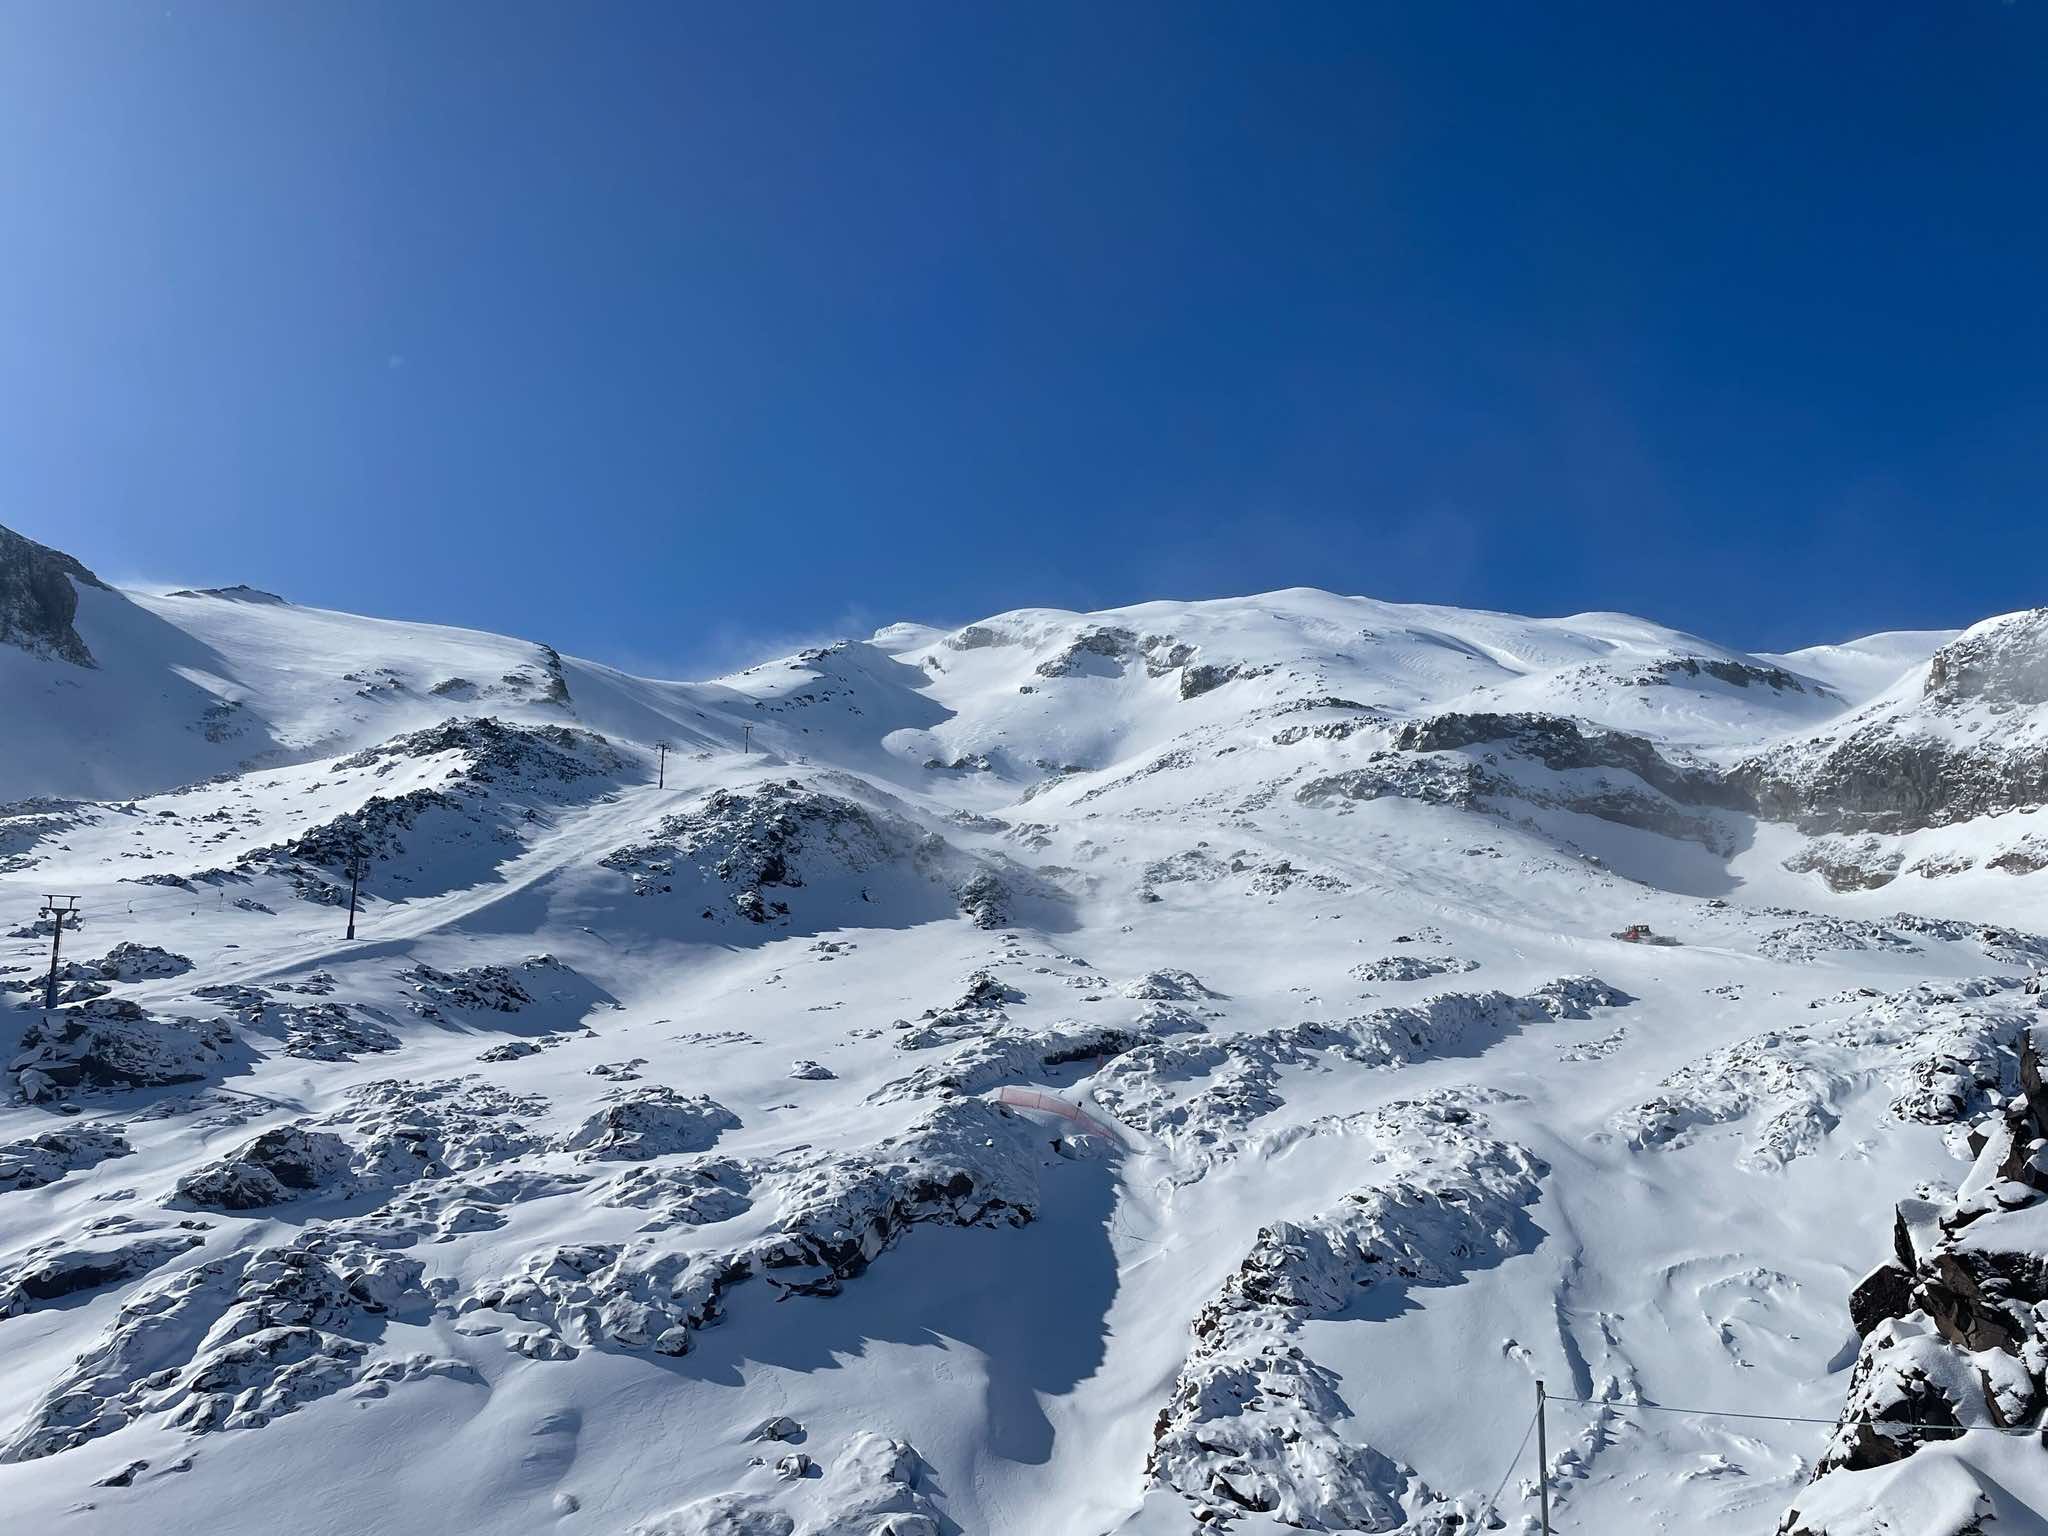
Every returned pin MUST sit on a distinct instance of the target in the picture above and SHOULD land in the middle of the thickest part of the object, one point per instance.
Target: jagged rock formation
(1955, 1339)
(38, 599)
(1971, 744)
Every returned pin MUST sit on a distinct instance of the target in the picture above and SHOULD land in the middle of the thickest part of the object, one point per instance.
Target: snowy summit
(1194, 1067)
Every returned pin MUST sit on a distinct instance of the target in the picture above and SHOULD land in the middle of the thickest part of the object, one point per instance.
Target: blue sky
(670, 332)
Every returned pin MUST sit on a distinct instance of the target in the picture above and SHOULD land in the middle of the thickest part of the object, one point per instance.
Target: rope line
(1493, 1501)
(1785, 1418)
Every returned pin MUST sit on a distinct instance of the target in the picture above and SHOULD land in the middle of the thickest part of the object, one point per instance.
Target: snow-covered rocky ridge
(1162, 1070)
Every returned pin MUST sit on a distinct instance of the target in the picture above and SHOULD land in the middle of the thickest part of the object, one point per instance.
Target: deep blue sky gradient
(669, 332)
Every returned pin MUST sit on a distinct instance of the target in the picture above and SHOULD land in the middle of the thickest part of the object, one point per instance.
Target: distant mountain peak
(239, 593)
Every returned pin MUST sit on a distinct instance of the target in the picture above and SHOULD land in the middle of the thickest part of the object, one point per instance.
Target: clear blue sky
(664, 331)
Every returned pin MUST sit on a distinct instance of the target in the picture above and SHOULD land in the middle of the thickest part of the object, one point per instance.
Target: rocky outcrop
(1251, 1425)
(871, 1485)
(650, 1122)
(1944, 1051)
(47, 1157)
(2002, 662)
(752, 845)
(56, 1272)
(967, 1163)
(233, 1343)
(112, 1043)
(39, 599)
(1973, 744)
(1955, 1333)
(126, 962)
(1560, 744)
(278, 1166)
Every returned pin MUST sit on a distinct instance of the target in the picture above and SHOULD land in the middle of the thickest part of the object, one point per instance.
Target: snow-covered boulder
(650, 1122)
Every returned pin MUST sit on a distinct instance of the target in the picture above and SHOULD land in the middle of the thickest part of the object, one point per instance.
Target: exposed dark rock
(47, 1157)
(1561, 744)
(1886, 1292)
(112, 1043)
(280, 1165)
(38, 599)
(60, 1273)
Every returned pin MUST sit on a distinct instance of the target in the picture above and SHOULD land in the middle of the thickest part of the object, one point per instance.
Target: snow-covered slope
(1159, 1070)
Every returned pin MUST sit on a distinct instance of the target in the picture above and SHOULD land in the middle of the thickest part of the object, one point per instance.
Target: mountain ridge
(1184, 1067)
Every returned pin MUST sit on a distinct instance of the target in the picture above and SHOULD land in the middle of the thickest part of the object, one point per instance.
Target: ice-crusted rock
(1477, 761)
(868, 1485)
(978, 1011)
(1561, 744)
(1250, 1424)
(126, 962)
(744, 846)
(1941, 1049)
(693, 1194)
(399, 1133)
(57, 1271)
(313, 1031)
(404, 1129)
(231, 1343)
(807, 1070)
(499, 780)
(1818, 935)
(2003, 662)
(1169, 986)
(1863, 864)
(484, 988)
(1100, 649)
(500, 752)
(1955, 1337)
(1448, 781)
(967, 1163)
(280, 1165)
(46, 1157)
(650, 1122)
(985, 900)
(2022, 857)
(1575, 997)
(112, 1043)
(1012, 1055)
(1412, 967)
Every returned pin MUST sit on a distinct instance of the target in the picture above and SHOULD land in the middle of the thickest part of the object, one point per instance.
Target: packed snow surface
(1171, 1069)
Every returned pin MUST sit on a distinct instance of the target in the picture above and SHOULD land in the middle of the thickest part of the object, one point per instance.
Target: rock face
(2004, 663)
(46, 1158)
(1974, 743)
(967, 1163)
(278, 1166)
(754, 845)
(61, 1272)
(1483, 761)
(1560, 744)
(112, 1043)
(231, 1344)
(1955, 1333)
(38, 599)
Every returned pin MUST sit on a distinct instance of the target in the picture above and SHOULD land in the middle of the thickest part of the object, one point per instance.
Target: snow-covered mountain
(1163, 1070)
